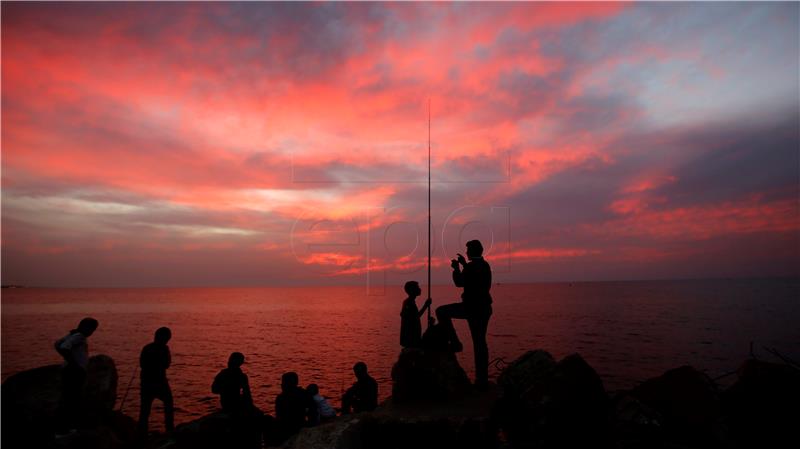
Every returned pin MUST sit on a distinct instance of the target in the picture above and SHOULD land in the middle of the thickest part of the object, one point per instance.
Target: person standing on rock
(475, 306)
(74, 348)
(154, 361)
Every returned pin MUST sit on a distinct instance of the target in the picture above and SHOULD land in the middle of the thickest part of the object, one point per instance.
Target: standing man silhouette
(154, 361)
(475, 307)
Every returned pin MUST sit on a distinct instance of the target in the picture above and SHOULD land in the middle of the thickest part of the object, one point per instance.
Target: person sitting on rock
(233, 388)
(410, 328)
(74, 348)
(154, 361)
(362, 396)
(294, 409)
(324, 410)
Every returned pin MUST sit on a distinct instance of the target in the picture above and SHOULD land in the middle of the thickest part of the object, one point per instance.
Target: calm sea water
(628, 331)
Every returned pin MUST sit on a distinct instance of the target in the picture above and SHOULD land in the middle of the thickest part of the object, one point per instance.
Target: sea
(627, 331)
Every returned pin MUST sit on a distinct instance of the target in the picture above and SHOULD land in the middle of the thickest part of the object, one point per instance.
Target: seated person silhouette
(294, 407)
(74, 348)
(362, 396)
(410, 328)
(233, 388)
(475, 307)
(154, 361)
(324, 410)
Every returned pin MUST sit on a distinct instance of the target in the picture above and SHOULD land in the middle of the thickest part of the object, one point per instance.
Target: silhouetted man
(363, 395)
(74, 348)
(154, 361)
(475, 307)
(294, 407)
(233, 388)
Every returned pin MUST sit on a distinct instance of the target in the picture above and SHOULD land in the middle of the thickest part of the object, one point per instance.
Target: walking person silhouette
(154, 361)
(475, 306)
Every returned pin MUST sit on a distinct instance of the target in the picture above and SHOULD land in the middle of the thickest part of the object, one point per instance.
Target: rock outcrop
(762, 408)
(427, 375)
(458, 423)
(30, 399)
(551, 404)
(688, 403)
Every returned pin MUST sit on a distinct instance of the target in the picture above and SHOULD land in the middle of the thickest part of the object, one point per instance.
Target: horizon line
(12, 286)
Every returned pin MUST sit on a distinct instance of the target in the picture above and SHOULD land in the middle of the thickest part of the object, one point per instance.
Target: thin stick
(429, 208)
(130, 382)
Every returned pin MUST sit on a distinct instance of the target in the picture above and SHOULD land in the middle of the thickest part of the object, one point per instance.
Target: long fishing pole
(429, 209)
(130, 382)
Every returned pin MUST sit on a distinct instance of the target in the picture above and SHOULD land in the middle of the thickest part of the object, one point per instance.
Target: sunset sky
(215, 144)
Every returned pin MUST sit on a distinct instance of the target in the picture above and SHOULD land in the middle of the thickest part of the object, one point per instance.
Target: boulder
(220, 430)
(425, 374)
(635, 424)
(30, 399)
(549, 404)
(687, 400)
(462, 423)
(528, 374)
(761, 407)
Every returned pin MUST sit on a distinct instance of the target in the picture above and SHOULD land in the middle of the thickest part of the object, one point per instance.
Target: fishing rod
(130, 382)
(429, 210)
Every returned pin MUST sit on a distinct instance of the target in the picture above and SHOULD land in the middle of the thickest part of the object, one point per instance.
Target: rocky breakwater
(30, 399)
(433, 406)
(541, 402)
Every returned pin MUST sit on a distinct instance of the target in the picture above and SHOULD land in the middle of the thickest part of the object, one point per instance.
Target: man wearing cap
(475, 306)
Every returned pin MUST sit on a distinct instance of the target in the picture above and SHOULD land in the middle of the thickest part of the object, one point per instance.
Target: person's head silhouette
(163, 335)
(474, 249)
(412, 288)
(289, 380)
(312, 389)
(236, 360)
(360, 369)
(87, 326)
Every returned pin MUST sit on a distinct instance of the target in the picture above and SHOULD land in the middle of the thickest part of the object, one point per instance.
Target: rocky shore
(538, 402)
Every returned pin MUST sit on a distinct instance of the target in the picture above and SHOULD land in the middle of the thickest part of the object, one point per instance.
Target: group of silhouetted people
(475, 307)
(295, 407)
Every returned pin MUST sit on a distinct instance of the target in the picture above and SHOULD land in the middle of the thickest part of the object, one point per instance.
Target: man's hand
(428, 302)
(454, 264)
(461, 260)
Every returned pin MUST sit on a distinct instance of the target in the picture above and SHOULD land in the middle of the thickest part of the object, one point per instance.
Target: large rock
(30, 399)
(461, 423)
(635, 425)
(220, 430)
(688, 402)
(761, 407)
(551, 404)
(528, 375)
(427, 375)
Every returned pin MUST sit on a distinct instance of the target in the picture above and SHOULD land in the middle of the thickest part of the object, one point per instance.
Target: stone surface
(30, 399)
(421, 375)
(549, 404)
(762, 408)
(687, 400)
(461, 422)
